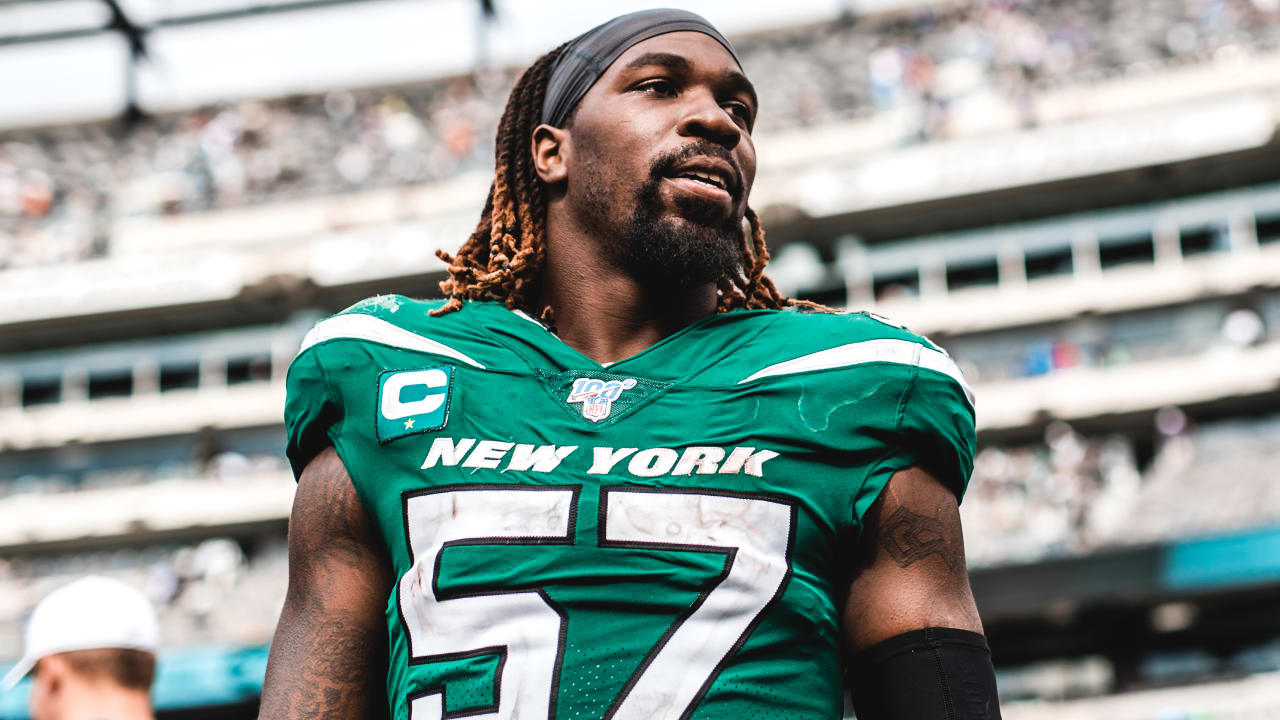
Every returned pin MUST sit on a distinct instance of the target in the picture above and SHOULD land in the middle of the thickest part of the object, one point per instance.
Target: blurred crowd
(229, 465)
(1215, 478)
(212, 592)
(1065, 496)
(61, 187)
(1107, 341)
(1007, 48)
(1074, 494)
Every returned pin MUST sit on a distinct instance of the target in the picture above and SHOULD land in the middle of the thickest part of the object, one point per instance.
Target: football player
(612, 474)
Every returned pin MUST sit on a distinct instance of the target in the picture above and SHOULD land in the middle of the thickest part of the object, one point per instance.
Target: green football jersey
(663, 537)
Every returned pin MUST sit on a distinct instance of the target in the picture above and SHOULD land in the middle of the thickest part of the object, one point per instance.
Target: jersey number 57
(526, 629)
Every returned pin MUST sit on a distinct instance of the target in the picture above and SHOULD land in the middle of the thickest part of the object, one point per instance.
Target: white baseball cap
(91, 613)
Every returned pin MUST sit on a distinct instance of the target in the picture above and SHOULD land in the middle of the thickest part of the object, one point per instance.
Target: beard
(694, 246)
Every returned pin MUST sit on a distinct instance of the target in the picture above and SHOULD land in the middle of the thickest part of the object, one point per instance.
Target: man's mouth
(704, 179)
(712, 172)
(707, 177)
(694, 188)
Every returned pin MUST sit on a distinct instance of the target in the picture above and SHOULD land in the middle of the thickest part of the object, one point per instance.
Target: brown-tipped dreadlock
(503, 258)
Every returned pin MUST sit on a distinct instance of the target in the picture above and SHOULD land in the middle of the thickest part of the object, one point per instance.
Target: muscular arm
(328, 657)
(910, 570)
(910, 621)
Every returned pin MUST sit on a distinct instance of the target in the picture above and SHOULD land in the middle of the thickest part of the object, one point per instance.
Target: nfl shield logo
(597, 396)
(596, 409)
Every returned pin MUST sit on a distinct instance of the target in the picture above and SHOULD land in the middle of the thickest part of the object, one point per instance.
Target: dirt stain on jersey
(815, 408)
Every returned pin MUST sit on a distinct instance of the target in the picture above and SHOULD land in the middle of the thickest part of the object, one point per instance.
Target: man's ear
(51, 672)
(550, 153)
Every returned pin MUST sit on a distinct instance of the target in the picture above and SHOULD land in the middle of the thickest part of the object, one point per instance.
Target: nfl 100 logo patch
(597, 396)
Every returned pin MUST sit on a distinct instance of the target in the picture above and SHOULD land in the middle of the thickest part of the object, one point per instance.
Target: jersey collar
(677, 357)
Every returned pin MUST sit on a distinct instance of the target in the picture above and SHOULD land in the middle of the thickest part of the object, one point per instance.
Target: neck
(107, 703)
(603, 312)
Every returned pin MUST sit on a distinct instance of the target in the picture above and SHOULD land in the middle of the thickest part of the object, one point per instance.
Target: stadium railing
(153, 509)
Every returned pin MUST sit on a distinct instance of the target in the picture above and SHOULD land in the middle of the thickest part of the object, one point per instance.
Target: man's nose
(705, 118)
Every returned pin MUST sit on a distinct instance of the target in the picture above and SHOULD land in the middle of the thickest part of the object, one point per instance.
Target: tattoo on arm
(909, 570)
(909, 537)
(328, 658)
(333, 659)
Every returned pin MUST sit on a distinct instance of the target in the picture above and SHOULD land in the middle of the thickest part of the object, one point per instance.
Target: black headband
(586, 58)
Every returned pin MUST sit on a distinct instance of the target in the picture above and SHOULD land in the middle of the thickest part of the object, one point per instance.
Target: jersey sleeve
(311, 410)
(933, 430)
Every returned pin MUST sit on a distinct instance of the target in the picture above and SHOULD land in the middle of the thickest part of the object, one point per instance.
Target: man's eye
(657, 87)
(739, 111)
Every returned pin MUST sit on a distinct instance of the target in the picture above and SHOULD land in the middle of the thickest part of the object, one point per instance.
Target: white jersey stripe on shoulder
(939, 361)
(368, 327)
(885, 350)
(890, 350)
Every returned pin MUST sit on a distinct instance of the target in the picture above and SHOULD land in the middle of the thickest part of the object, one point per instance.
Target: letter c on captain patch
(436, 382)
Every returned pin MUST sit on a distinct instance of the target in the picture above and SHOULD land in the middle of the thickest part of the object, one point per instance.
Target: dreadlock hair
(503, 259)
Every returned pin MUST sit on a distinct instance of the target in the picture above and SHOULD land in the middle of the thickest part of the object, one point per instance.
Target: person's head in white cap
(90, 648)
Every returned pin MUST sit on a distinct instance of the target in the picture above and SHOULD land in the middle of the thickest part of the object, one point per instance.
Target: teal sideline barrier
(185, 678)
(1243, 558)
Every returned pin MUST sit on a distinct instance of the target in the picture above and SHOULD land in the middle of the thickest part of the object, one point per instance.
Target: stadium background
(1079, 199)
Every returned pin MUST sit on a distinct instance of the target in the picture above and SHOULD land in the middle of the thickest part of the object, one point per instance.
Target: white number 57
(525, 628)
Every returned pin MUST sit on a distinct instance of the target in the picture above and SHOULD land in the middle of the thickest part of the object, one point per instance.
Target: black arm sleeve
(929, 674)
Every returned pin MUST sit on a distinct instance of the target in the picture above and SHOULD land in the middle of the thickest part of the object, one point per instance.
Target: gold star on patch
(408, 424)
